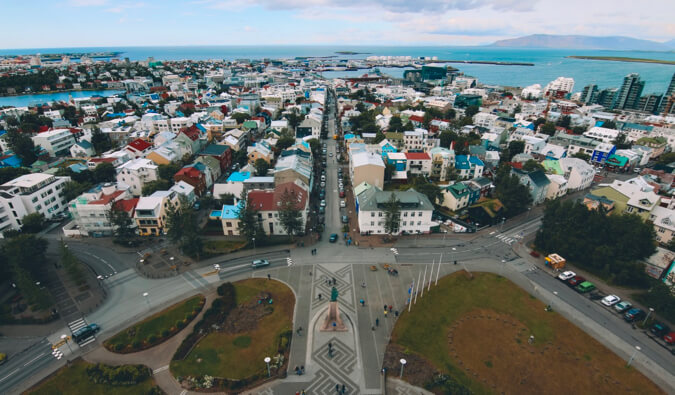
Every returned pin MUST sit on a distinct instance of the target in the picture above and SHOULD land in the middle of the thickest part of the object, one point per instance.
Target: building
(222, 153)
(418, 163)
(91, 210)
(269, 202)
(195, 175)
(602, 152)
(152, 211)
(415, 140)
(136, 173)
(604, 135)
(456, 196)
(415, 211)
(28, 194)
(82, 149)
(367, 167)
(578, 173)
(56, 142)
(629, 197)
(468, 166)
(589, 95)
(229, 218)
(138, 148)
(536, 181)
(664, 223)
(442, 162)
(628, 97)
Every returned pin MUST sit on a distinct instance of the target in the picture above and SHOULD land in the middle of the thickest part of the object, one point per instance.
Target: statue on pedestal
(333, 322)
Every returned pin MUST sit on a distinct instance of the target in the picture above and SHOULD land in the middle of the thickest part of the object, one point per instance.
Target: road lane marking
(14, 371)
(33, 360)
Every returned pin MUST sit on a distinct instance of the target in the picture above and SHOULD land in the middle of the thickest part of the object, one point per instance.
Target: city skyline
(101, 23)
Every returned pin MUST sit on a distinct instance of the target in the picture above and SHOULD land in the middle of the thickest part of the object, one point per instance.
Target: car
(260, 263)
(622, 306)
(637, 170)
(323, 203)
(633, 314)
(322, 210)
(345, 219)
(333, 238)
(576, 280)
(584, 287)
(659, 329)
(197, 206)
(564, 276)
(85, 332)
(330, 154)
(669, 338)
(610, 300)
(323, 178)
(342, 193)
(343, 204)
(323, 184)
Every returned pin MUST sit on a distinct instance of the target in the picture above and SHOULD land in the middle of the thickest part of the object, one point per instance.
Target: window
(372, 213)
(405, 223)
(419, 214)
(405, 213)
(379, 213)
(419, 223)
(372, 223)
(412, 214)
(269, 215)
(228, 224)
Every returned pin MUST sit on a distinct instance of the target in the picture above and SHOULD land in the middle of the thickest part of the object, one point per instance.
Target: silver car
(260, 263)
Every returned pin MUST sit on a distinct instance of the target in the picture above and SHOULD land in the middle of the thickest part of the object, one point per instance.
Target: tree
(183, 229)
(100, 141)
(389, 170)
(379, 136)
(514, 196)
(72, 265)
(471, 111)
(166, 172)
(158, 185)
(122, 225)
(294, 119)
(250, 224)
(581, 155)
(532, 165)
(548, 128)
(609, 125)
(514, 148)
(285, 142)
(538, 122)
(73, 189)
(33, 223)
(564, 121)
(620, 142)
(28, 252)
(9, 173)
(290, 216)
(666, 159)
(408, 127)
(23, 147)
(240, 157)
(261, 167)
(104, 172)
(429, 189)
(578, 130)
(240, 117)
(395, 124)
(450, 114)
(447, 137)
(392, 215)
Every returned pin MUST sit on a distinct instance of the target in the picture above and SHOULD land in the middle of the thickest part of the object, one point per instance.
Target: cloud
(86, 3)
(122, 7)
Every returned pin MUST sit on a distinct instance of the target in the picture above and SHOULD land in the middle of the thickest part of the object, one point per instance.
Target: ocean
(549, 63)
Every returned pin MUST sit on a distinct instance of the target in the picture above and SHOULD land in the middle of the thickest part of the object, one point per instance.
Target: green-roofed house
(617, 163)
(415, 209)
(456, 196)
(593, 202)
(553, 166)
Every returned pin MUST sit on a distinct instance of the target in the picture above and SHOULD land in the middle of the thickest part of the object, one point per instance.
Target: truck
(555, 261)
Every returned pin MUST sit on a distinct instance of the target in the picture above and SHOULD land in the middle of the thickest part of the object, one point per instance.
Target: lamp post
(403, 362)
(501, 272)
(528, 213)
(637, 348)
(65, 338)
(502, 225)
(267, 362)
(147, 300)
(651, 310)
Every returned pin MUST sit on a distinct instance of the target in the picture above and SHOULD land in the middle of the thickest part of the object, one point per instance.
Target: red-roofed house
(138, 148)
(416, 120)
(268, 204)
(193, 175)
(418, 163)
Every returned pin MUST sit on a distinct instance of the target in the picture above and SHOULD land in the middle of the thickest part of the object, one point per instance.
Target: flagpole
(439, 268)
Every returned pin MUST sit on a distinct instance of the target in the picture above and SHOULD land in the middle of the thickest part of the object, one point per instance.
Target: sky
(110, 23)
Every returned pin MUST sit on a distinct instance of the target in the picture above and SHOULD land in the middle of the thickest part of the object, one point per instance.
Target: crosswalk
(289, 261)
(77, 324)
(510, 238)
(394, 250)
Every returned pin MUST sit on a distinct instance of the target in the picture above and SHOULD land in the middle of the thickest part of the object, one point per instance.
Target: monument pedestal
(333, 322)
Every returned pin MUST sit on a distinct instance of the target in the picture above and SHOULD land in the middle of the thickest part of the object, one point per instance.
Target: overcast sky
(81, 23)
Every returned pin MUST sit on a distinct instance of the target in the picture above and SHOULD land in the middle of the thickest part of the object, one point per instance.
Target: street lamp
(253, 238)
(528, 213)
(267, 361)
(403, 362)
(637, 348)
(65, 338)
(147, 300)
(651, 310)
(502, 226)
(501, 273)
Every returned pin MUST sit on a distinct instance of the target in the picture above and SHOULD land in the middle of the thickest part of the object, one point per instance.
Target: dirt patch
(417, 370)
(497, 350)
(245, 318)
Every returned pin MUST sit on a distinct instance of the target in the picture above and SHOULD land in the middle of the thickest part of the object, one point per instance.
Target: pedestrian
(377, 322)
(372, 328)
(334, 281)
(330, 345)
(268, 276)
(385, 314)
(302, 369)
(319, 296)
(396, 313)
(343, 389)
(310, 272)
(303, 392)
(337, 388)
(390, 308)
(363, 302)
(385, 307)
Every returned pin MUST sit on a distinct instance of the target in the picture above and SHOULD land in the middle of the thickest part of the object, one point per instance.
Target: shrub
(118, 346)
(165, 333)
(117, 375)
(136, 344)
(152, 339)
(180, 324)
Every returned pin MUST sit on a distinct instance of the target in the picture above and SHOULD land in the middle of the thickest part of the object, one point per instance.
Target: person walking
(319, 296)
(385, 314)
(337, 388)
(396, 313)
(363, 302)
(390, 307)
(343, 389)
(377, 322)
(268, 276)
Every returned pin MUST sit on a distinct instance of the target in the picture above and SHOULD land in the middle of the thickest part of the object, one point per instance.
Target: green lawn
(222, 246)
(73, 380)
(156, 325)
(236, 355)
(559, 346)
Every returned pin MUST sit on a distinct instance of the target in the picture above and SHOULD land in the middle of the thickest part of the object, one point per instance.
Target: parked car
(323, 178)
(584, 287)
(323, 203)
(659, 329)
(623, 306)
(260, 263)
(322, 210)
(610, 300)
(322, 195)
(342, 204)
(669, 338)
(576, 280)
(345, 219)
(564, 276)
(323, 184)
(342, 193)
(634, 314)
(333, 238)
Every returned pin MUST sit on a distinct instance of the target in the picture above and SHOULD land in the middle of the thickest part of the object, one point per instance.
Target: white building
(415, 215)
(415, 140)
(137, 173)
(602, 134)
(56, 142)
(579, 174)
(30, 193)
(91, 210)
(560, 84)
(531, 92)
(485, 120)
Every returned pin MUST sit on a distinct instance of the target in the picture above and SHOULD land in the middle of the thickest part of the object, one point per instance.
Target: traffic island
(485, 334)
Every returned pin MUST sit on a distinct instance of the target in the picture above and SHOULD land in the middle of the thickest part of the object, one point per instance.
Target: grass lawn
(477, 332)
(237, 355)
(222, 246)
(155, 325)
(73, 380)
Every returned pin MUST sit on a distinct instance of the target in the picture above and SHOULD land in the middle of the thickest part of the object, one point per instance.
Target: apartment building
(56, 142)
(136, 173)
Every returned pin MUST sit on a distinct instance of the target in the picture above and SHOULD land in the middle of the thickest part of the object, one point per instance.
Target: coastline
(59, 91)
(623, 59)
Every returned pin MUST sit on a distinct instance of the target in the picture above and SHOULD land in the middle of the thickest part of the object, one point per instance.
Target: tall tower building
(589, 94)
(669, 92)
(629, 94)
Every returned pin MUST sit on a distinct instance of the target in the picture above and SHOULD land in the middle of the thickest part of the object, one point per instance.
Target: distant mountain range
(617, 43)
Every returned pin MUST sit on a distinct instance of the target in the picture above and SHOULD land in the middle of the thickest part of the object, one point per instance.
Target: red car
(670, 338)
(574, 281)
(342, 194)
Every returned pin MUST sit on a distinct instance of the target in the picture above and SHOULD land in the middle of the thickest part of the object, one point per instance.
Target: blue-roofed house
(536, 181)
(82, 149)
(602, 152)
(468, 166)
(229, 217)
(10, 160)
(386, 147)
(78, 167)
(234, 185)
